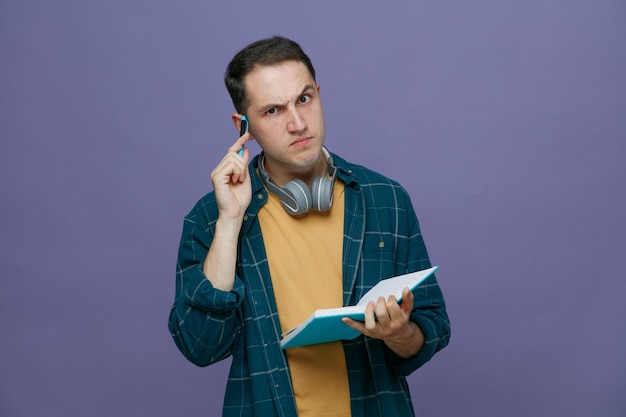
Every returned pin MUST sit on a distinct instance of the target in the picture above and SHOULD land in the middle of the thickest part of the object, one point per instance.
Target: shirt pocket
(379, 256)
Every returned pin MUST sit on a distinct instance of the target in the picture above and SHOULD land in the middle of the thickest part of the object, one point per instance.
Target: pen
(243, 131)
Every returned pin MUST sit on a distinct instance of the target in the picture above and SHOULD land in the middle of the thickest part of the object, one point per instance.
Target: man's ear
(237, 120)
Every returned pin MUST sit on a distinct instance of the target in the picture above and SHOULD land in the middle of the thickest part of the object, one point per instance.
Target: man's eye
(305, 98)
(271, 111)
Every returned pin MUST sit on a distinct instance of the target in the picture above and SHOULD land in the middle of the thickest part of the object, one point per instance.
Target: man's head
(265, 52)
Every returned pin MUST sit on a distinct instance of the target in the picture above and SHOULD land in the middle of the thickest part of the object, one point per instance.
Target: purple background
(505, 121)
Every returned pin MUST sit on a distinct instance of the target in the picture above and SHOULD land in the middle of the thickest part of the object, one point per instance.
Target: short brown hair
(265, 52)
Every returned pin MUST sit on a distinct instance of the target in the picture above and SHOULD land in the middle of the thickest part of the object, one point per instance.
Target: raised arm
(233, 192)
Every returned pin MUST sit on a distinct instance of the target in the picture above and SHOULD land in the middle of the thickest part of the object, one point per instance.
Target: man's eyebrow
(306, 88)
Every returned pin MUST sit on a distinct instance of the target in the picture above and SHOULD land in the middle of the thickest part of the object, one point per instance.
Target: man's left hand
(388, 320)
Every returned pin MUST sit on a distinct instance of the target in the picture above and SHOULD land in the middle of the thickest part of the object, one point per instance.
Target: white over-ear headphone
(296, 197)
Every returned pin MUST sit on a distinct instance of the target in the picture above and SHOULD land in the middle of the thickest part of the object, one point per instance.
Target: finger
(407, 301)
(397, 315)
(370, 320)
(240, 143)
(356, 325)
(241, 174)
(393, 307)
(399, 312)
(382, 314)
(230, 170)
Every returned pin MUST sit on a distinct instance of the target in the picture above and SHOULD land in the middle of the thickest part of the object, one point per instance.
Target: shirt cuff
(200, 294)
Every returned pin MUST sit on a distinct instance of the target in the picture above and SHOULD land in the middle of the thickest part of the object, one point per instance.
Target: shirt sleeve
(204, 322)
(429, 309)
(430, 315)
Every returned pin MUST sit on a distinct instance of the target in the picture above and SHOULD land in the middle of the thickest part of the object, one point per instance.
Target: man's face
(286, 119)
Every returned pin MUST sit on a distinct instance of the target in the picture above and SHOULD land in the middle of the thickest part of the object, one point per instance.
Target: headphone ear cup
(322, 193)
(296, 197)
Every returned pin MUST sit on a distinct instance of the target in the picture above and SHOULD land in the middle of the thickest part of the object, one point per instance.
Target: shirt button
(245, 218)
(260, 196)
(381, 244)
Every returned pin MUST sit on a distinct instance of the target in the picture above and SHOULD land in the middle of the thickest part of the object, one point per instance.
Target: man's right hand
(231, 182)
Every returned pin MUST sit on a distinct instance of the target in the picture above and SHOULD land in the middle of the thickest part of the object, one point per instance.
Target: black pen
(243, 131)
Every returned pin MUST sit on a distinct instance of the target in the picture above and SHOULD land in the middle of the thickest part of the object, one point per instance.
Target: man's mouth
(302, 140)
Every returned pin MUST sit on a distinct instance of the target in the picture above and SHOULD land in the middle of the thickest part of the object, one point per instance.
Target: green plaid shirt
(382, 239)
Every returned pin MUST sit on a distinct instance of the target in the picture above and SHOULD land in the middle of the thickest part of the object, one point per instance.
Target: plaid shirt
(382, 239)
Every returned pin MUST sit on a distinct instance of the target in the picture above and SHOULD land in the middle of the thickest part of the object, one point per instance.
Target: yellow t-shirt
(305, 260)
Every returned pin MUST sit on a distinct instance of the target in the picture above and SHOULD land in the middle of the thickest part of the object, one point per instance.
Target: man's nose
(296, 121)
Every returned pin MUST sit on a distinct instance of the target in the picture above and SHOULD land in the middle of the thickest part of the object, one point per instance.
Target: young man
(295, 230)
